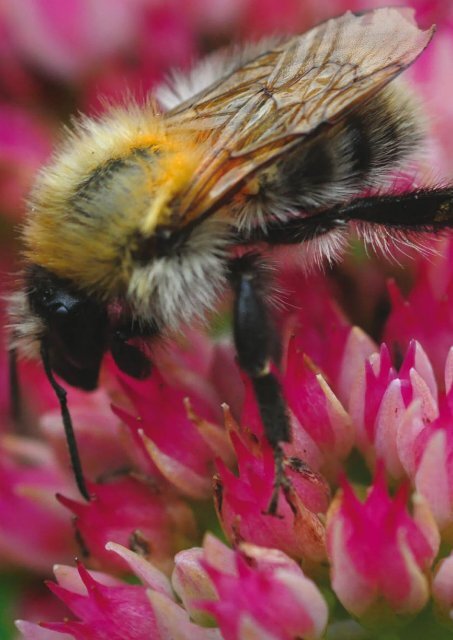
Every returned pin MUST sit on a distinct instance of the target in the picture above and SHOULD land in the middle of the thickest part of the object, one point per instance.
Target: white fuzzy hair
(176, 289)
(25, 329)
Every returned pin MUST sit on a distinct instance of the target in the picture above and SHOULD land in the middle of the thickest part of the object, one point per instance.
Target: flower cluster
(379, 540)
(362, 543)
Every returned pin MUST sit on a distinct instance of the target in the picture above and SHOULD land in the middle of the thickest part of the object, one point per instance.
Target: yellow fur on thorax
(177, 169)
(63, 241)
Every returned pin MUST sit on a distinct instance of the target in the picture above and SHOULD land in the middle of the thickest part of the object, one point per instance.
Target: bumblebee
(134, 226)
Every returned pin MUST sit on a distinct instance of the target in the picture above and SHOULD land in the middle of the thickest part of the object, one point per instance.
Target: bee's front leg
(257, 346)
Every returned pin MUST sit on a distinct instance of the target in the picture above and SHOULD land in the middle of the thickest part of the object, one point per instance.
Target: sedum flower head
(252, 591)
(169, 458)
(380, 554)
(376, 556)
(135, 513)
(242, 502)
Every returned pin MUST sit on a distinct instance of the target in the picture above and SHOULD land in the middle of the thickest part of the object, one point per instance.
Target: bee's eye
(76, 328)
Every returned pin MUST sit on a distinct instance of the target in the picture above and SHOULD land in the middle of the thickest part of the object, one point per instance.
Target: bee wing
(288, 93)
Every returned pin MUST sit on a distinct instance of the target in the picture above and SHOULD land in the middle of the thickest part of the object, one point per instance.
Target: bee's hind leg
(257, 346)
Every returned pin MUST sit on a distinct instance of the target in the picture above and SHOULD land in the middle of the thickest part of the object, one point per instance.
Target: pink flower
(105, 606)
(426, 448)
(190, 579)
(32, 631)
(428, 76)
(134, 512)
(380, 398)
(180, 435)
(66, 41)
(272, 15)
(117, 611)
(161, 39)
(380, 554)
(311, 322)
(317, 412)
(25, 144)
(443, 590)
(393, 404)
(316, 332)
(108, 608)
(264, 595)
(242, 503)
(34, 531)
(420, 437)
(174, 623)
(434, 476)
(320, 426)
(18, 84)
(254, 590)
(37, 603)
(204, 368)
(193, 582)
(409, 318)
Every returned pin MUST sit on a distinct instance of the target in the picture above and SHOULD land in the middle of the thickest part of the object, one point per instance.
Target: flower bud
(379, 553)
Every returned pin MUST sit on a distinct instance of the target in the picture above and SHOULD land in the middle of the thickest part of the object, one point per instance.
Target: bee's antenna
(15, 404)
(67, 423)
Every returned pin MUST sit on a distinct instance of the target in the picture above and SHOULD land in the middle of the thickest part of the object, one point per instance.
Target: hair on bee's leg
(256, 347)
(427, 210)
(296, 230)
(67, 423)
(420, 210)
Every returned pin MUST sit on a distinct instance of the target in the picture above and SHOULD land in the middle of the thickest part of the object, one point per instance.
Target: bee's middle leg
(257, 346)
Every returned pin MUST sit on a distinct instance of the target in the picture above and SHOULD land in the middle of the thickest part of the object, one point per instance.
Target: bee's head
(74, 331)
(74, 327)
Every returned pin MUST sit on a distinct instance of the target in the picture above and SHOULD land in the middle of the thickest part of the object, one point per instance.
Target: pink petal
(449, 371)
(215, 436)
(391, 409)
(135, 512)
(432, 479)
(149, 575)
(219, 555)
(357, 592)
(358, 348)
(410, 426)
(191, 582)
(250, 629)
(285, 603)
(379, 552)
(443, 589)
(242, 504)
(69, 578)
(174, 623)
(32, 631)
(182, 477)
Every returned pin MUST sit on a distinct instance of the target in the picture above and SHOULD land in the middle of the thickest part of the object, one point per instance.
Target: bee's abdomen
(369, 144)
